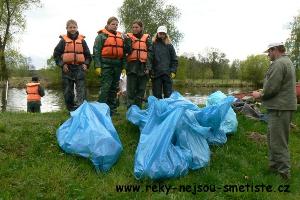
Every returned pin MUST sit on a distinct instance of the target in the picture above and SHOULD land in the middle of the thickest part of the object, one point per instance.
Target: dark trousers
(34, 106)
(136, 87)
(75, 77)
(162, 85)
(109, 82)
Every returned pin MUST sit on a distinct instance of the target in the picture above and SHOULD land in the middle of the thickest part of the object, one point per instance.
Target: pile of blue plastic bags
(175, 134)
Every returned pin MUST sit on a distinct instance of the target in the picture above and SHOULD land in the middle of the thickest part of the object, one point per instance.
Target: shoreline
(20, 82)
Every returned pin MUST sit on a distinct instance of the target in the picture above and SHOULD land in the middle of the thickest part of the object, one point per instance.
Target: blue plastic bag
(90, 133)
(214, 116)
(229, 121)
(171, 141)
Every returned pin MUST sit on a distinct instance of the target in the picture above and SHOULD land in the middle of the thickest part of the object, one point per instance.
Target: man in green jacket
(279, 97)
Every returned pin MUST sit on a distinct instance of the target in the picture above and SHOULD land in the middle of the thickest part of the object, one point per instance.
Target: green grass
(32, 166)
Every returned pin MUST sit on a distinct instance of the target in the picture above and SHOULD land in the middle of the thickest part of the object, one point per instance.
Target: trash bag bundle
(90, 133)
(174, 135)
(229, 121)
(166, 149)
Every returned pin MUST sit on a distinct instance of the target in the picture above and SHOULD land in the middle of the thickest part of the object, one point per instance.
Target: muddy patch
(257, 137)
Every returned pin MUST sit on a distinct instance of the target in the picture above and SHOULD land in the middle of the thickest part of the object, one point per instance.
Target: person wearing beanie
(164, 64)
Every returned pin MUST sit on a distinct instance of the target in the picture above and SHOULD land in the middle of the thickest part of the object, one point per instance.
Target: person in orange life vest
(34, 93)
(73, 56)
(164, 64)
(109, 58)
(138, 63)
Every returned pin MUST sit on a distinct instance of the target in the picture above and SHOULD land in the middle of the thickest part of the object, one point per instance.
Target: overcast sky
(238, 28)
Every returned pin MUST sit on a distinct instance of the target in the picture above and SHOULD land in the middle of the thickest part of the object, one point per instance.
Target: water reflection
(53, 99)
(198, 95)
(16, 101)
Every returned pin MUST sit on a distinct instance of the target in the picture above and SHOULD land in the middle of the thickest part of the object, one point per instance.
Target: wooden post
(6, 92)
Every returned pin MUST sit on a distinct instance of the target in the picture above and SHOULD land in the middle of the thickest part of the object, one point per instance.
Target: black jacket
(59, 50)
(164, 59)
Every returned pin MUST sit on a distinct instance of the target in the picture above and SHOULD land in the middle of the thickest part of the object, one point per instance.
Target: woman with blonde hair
(164, 64)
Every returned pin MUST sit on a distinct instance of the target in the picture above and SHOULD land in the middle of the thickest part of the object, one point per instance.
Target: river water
(53, 99)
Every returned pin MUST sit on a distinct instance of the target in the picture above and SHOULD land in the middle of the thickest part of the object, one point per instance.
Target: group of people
(143, 57)
(136, 54)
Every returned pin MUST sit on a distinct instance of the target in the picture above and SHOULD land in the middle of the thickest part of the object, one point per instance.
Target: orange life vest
(139, 48)
(32, 90)
(73, 53)
(113, 45)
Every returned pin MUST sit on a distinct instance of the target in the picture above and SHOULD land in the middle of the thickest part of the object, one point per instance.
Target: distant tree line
(17, 64)
(215, 65)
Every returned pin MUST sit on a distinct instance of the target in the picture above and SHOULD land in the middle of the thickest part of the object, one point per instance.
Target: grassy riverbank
(34, 167)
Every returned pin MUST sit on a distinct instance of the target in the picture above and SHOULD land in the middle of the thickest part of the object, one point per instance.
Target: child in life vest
(34, 93)
(73, 56)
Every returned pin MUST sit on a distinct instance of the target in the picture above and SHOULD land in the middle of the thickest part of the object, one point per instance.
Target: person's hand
(124, 36)
(98, 71)
(151, 74)
(173, 75)
(123, 72)
(256, 94)
(84, 67)
(65, 68)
